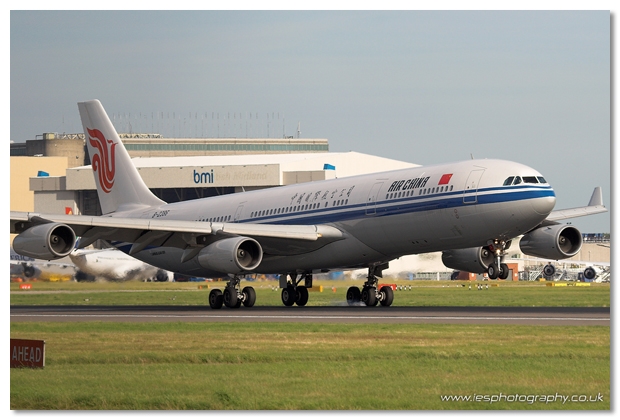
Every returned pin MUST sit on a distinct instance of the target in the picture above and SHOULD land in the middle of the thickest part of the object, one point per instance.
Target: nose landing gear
(498, 269)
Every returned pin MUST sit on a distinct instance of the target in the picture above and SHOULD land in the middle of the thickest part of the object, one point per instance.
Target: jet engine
(590, 273)
(473, 260)
(48, 241)
(231, 255)
(161, 275)
(553, 242)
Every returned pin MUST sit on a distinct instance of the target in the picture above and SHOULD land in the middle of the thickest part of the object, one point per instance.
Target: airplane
(28, 268)
(87, 264)
(114, 265)
(469, 210)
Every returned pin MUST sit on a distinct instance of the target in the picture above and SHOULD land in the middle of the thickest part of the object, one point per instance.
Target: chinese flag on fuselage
(445, 178)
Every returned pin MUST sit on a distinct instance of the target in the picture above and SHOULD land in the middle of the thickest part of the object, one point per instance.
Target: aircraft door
(470, 194)
(371, 203)
(238, 213)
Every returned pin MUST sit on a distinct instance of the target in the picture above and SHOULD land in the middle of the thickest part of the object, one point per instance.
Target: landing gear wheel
(249, 296)
(289, 296)
(354, 296)
(302, 296)
(230, 297)
(369, 296)
(493, 271)
(503, 271)
(387, 295)
(216, 299)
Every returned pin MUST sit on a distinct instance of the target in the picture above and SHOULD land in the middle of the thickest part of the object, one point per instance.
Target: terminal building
(52, 174)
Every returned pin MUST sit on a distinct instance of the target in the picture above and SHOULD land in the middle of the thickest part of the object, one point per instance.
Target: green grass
(423, 293)
(271, 366)
(290, 366)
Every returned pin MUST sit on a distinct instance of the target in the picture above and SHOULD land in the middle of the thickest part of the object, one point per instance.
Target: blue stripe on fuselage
(406, 205)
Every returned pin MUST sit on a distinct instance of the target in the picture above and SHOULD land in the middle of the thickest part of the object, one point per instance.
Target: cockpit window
(509, 180)
(530, 180)
(541, 180)
(517, 180)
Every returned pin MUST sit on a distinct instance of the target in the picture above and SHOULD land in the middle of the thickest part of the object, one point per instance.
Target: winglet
(597, 197)
(595, 206)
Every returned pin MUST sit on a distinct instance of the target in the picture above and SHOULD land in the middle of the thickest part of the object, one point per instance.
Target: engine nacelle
(48, 241)
(162, 275)
(553, 242)
(473, 260)
(590, 273)
(231, 255)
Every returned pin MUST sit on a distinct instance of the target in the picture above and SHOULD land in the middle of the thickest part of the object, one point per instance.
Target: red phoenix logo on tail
(103, 161)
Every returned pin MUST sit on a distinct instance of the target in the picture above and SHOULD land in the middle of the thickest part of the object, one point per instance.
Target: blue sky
(419, 86)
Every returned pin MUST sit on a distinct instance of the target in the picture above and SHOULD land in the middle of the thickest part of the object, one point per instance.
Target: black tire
(230, 297)
(302, 296)
(249, 296)
(354, 296)
(387, 296)
(216, 299)
(493, 271)
(504, 271)
(369, 296)
(289, 296)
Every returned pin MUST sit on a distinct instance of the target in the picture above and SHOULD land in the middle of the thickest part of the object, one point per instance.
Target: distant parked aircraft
(28, 268)
(114, 265)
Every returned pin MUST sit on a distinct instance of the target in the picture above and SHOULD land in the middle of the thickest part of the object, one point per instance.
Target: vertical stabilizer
(119, 185)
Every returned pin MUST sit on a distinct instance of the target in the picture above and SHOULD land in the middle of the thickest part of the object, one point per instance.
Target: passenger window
(509, 180)
(451, 186)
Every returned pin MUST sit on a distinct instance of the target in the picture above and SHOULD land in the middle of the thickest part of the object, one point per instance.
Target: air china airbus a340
(470, 210)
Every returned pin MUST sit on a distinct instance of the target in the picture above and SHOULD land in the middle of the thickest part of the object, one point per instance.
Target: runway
(318, 314)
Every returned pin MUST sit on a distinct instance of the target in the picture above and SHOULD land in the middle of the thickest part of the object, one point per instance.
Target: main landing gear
(369, 295)
(497, 268)
(232, 297)
(292, 292)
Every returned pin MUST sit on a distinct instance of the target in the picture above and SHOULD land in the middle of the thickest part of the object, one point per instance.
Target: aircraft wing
(595, 206)
(277, 239)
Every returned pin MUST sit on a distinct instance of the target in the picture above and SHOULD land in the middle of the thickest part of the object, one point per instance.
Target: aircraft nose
(544, 205)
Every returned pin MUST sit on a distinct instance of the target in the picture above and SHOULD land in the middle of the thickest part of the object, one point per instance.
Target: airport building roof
(244, 170)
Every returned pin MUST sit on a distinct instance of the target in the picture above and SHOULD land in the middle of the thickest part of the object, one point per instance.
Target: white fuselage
(111, 265)
(382, 215)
